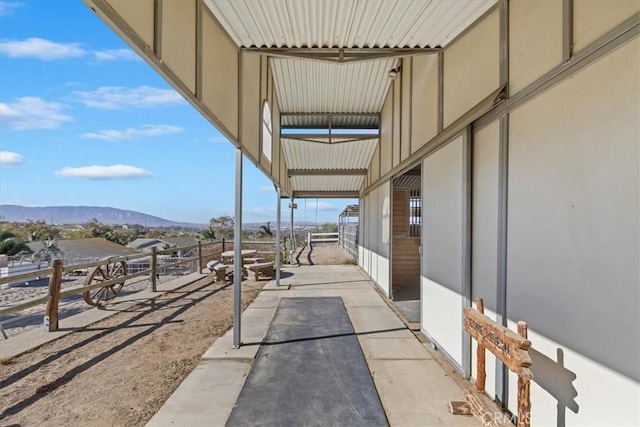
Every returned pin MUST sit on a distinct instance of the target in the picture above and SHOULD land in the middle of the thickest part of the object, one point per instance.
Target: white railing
(322, 238)
(349, 238)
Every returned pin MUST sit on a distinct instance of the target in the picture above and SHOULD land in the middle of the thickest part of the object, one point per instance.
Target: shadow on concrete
(296, 285)
(310, 338)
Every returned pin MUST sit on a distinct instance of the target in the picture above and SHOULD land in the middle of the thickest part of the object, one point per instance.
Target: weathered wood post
(481, 375)
(524, 388)
(55, 281)
(223, 245)
(200, 258)
(154, 269)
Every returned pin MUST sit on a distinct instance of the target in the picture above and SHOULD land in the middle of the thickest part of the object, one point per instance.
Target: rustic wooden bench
(219, 269)
(260, 269)
(510, 348)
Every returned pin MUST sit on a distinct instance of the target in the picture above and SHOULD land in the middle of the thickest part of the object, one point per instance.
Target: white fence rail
(322, 238)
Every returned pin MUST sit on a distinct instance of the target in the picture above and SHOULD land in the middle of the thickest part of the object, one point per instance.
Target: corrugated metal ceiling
(313, 155)
(321, 87)
(346, 23)
(326, 183)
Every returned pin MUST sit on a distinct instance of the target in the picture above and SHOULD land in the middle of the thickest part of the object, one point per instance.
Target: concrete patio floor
(413, 387)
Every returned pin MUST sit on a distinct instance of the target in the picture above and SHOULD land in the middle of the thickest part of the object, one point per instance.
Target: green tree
(49, 250)
(10, 244)
(264, 230)
(39, 230)
(329, 228)
(208, 234)
(223, 226)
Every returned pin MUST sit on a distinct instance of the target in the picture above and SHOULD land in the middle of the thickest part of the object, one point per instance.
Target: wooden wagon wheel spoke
(106, 295)
(111, 268)
(117, 270)
(97, 295)
(103, 273)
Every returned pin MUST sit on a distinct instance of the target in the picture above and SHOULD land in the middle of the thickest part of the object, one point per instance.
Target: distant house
(85, 249)
(163, 243)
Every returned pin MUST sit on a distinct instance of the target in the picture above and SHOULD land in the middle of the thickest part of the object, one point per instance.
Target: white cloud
(45, 50)
(32, 113)
(8, 7)
(130, 133)
(115, 55)
(9, 158)
(120, 98)
(105, 172)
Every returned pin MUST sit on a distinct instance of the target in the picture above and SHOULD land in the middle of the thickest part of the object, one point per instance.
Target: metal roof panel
(326, 183)
(305, 86)
(346, 23)
(314, 155)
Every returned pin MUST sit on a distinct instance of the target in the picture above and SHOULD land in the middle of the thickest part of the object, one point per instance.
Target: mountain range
(106, 215)
(82, 214)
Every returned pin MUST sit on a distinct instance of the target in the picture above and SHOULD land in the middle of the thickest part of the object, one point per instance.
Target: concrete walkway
(413, 387)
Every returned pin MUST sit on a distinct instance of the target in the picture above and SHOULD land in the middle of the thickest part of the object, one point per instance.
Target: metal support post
(292, 248)
(278, 215)
(237, 253)
(154, 269)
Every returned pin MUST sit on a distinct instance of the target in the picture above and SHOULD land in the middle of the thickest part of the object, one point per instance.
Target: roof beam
(329, 138)
(326, 194)
(340, 55)
(326, 172)
(307, 120)
(331, 114)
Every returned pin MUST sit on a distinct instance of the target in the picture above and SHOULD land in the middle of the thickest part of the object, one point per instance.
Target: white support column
(292, 249)
(279, 212)
(237, 254)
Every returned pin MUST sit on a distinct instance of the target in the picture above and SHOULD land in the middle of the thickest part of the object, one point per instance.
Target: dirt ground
(119, 372)
(323, 254)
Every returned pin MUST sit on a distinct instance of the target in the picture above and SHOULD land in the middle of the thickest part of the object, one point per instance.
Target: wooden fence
(200, 255)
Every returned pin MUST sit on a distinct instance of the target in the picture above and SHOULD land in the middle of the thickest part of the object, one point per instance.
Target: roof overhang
(327, 64)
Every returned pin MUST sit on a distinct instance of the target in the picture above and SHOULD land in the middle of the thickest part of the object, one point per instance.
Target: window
(266, 131)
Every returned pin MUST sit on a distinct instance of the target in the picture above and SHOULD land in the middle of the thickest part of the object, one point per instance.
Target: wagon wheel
(98, 297)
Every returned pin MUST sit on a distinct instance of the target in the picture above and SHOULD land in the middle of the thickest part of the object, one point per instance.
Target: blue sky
(84, 121)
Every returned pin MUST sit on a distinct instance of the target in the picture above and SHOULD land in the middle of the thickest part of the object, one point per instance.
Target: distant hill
(82, 214)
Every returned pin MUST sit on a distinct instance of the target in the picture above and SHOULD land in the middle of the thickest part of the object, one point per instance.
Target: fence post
(524, 387)
(223, 245)
(154, 269)
(200, 259)
(55, 280)
(481, 375)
